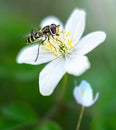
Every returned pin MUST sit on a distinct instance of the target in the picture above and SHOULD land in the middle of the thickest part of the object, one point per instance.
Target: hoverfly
(42, 35)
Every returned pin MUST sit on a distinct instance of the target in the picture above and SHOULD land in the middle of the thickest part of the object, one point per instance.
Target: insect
(42, 35)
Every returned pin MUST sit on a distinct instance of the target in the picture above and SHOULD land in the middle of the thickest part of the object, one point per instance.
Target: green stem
(80, 118)
(59, 106)
(62, 92)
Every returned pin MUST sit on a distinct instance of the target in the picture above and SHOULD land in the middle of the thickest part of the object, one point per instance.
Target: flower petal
(89, 42)
(76, 25)
(84, 94)
(49, 20)
(28, 55)
(95, 99)
(76, 65)
(50, 76)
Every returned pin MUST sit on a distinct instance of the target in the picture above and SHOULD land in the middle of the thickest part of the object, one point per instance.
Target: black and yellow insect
(42, 35)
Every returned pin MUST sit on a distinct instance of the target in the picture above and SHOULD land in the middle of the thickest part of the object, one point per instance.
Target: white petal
(95, 99)
(90, 41)
(49, 20)
(84, 94)
(76, 65)
(86, 89)
(28, 55)
(50, 76)
(76, 25)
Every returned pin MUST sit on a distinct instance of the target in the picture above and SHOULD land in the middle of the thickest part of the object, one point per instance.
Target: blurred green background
(21, 105)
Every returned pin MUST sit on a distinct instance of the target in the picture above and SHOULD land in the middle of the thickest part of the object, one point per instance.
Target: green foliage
(21, 112)
(49, 125)
(6, 124)
(17, 115)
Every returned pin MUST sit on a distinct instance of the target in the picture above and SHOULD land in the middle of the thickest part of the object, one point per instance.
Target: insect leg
(37, 53)
(38, 49)
(51, 43)
(56, 39)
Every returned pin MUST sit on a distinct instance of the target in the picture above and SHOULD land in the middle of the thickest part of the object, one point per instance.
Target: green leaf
(20, 112)
(49, 125)
(6, 124)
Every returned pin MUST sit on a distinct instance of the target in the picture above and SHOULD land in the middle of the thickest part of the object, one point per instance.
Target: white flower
(65, 56)
(84, 94)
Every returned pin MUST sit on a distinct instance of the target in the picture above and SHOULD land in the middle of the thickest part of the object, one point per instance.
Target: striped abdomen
(34, 36)
(31, 39)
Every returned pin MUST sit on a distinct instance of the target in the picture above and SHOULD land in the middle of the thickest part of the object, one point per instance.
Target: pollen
(82, 93)
(70, 43)
(68, 34)
(55, 54)
(64, 32)
(60, 46)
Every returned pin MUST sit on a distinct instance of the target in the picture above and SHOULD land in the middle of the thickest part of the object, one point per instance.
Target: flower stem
(80, 118)
(59, 105)
(62, 92)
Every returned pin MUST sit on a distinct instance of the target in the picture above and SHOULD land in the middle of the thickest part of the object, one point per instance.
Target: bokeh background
(21, 105)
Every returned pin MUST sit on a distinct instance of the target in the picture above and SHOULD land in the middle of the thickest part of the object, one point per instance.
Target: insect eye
(53, 29)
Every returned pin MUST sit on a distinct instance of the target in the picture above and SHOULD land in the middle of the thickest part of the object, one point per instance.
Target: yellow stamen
(67, 34)
(55, 54)
(82, 93)
(60, 46)
(70, 44)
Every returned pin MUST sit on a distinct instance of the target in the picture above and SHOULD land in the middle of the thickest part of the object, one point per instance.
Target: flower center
(60, 46)
(82, 93)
